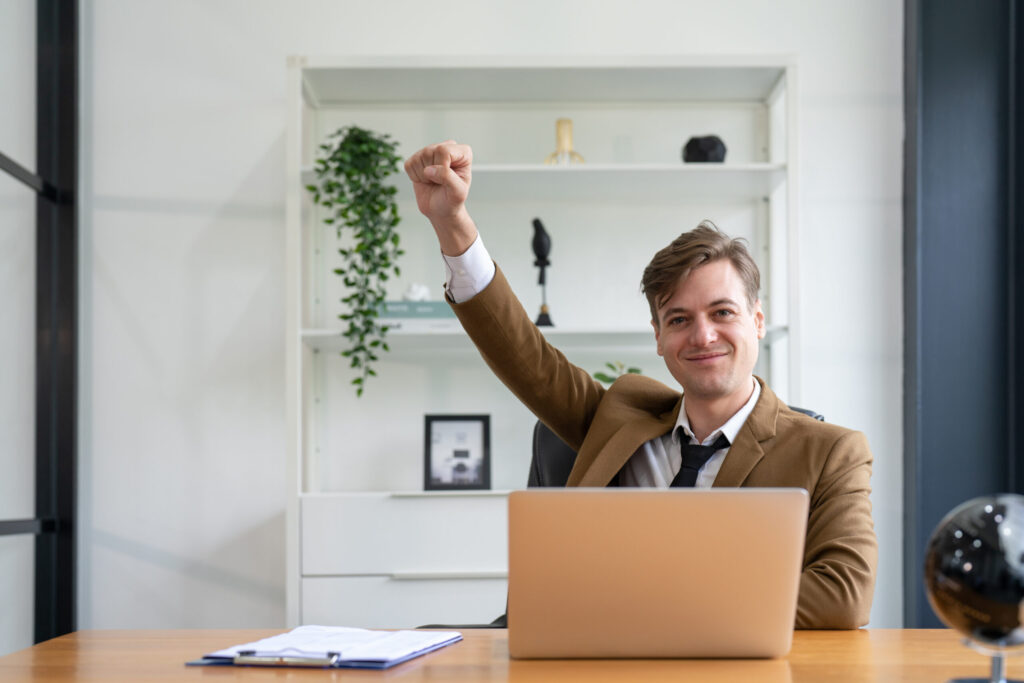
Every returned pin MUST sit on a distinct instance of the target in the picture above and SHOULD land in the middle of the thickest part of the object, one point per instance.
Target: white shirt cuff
(469, 273)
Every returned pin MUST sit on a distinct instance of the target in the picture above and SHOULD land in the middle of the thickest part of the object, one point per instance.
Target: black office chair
(552, 458)
(550, 467)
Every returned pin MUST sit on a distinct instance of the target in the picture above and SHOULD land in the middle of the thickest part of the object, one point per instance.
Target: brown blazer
(775, 447)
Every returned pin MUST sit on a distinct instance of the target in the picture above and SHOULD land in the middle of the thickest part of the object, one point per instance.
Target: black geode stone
(704, 149)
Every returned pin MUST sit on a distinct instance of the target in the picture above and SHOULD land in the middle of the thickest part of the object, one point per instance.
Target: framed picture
(457, 452)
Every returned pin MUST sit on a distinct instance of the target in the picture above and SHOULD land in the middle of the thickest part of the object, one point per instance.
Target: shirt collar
(732, 426)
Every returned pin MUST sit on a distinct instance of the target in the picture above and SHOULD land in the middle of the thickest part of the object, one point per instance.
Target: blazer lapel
(744, 455)
(620, 447)
(612, 452)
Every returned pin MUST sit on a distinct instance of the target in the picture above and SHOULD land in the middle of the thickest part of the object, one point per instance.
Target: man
(707, 321)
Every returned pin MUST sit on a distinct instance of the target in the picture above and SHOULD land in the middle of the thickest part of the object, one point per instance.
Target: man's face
(707, 333)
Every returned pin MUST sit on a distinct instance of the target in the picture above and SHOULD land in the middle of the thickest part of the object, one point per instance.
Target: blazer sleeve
(564, 396)
(841, 552)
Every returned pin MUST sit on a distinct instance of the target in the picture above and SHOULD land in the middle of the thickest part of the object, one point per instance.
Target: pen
(250, 658)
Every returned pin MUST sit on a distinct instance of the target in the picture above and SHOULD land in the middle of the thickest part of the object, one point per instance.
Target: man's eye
(723, 313)
(677, 320)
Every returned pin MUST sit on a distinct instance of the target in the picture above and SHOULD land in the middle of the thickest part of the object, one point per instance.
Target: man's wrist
(456, 234)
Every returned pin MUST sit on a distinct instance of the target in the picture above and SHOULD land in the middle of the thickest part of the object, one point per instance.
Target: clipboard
(332, 647)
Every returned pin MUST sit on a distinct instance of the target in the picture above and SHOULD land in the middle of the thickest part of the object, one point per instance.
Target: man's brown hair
(702, 245)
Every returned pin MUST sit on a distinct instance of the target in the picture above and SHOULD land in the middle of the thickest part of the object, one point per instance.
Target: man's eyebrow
(725, 301)
(672, 311)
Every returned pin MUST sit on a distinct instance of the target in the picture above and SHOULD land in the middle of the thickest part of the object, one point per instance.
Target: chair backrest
(553, 458)
(809, 413)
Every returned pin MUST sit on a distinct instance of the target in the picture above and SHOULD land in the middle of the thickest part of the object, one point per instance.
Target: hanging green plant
(351, 168)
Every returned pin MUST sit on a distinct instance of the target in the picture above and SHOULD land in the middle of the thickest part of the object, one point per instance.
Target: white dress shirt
(657, 461)
(469, 273)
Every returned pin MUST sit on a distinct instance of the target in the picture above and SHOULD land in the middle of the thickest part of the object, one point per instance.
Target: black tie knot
(694, 457)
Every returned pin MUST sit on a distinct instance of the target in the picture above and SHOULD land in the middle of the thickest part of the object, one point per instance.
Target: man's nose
(703, 332)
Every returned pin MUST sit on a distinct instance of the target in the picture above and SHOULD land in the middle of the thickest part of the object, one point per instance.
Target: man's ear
(762, 330)
(657, 335)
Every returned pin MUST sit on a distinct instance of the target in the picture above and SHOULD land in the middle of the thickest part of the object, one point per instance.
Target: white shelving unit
(627, 182)
(455, 341)
(365, 546)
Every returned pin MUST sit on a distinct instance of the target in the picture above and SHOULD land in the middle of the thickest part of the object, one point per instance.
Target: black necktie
(694, 457)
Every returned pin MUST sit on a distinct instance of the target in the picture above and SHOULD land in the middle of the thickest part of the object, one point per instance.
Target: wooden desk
(867, 655)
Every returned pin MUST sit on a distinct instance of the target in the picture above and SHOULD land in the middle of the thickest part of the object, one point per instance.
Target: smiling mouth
(705, 356)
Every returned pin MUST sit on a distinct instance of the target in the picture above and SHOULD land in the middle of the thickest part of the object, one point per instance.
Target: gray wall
(182, 216)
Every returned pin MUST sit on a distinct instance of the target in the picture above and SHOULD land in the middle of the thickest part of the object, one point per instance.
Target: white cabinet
(426, 535)
(379, 560)
(349, 534)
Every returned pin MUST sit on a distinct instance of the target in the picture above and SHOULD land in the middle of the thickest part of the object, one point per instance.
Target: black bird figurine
(541, 249)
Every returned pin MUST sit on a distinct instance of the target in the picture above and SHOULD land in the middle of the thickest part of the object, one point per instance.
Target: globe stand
(998, 670)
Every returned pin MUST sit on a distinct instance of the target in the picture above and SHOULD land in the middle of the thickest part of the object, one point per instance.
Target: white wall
(182, 486)
(17, 313)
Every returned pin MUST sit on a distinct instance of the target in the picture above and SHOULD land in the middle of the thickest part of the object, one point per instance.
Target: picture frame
(457, 452)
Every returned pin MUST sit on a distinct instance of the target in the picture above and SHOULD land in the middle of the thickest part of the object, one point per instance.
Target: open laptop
(654, 573)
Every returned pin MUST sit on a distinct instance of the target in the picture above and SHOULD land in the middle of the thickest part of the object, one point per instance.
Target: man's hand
(441, 175)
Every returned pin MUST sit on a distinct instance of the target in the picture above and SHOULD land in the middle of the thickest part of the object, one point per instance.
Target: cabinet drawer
(382, 533)
(383, 602)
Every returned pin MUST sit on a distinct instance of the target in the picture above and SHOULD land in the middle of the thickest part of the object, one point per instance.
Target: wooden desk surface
(866, 655)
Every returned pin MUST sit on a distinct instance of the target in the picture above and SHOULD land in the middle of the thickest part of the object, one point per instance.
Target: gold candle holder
(564, 154)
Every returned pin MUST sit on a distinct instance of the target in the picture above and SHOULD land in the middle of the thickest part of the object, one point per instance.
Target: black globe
(974, 570)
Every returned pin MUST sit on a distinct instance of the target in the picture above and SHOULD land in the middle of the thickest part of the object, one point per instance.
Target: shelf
(615, 182)
(332, 81)
(494, 493)
(503, 493)
(454, 340)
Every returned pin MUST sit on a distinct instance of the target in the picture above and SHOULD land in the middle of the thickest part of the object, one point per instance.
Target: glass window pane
(17, 309)
(18, 81)
(17, 565)
(17, 350)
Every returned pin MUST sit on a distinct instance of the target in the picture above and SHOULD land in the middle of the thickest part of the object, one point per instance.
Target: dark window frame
(963, 269)
(54, 183)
